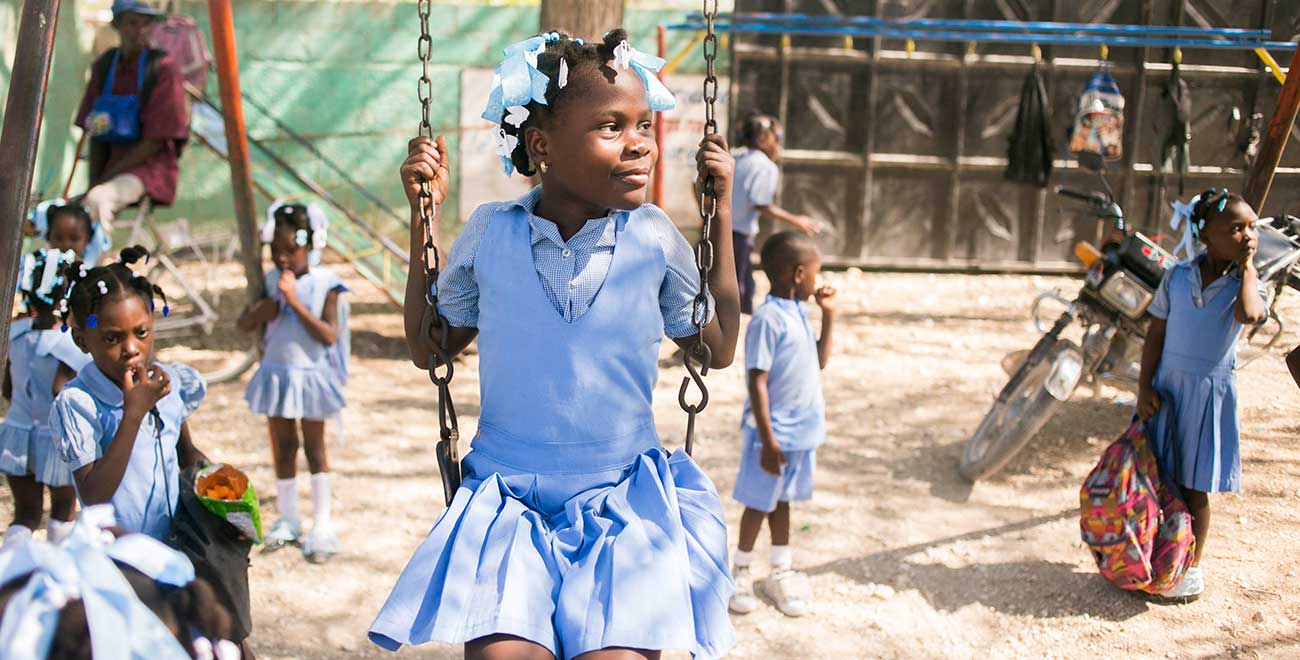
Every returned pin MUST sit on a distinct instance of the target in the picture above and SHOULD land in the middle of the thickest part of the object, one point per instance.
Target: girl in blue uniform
(68, 226)
(41, 360)
(1187, 390)
(304, 367)
(574, 532)
(120, 425)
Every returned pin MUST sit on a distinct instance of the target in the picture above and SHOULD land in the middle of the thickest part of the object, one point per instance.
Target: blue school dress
(1194, 433)
(780, 341)
(573, 527)
(301, 378)
(26, 447)
(84, 419)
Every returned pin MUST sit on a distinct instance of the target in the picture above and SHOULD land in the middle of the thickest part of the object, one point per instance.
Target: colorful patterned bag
(1138, 529)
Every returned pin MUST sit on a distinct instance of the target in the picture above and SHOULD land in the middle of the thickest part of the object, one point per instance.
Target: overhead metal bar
(989, 25)
(992, 37)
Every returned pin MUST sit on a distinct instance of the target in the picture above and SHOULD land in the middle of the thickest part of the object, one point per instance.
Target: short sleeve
(165, 117)
(761, 339)
(681, 280)
(762, 183)
(189, 385)
(1159, 307)
(74, 425)
(457, 285)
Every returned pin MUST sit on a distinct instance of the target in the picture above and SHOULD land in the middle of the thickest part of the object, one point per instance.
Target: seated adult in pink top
(137, 122)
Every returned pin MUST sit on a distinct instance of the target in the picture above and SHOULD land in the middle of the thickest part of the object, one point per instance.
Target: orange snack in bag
(226, 483)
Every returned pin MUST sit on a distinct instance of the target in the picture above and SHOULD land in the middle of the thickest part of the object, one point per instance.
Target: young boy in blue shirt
(784, 419)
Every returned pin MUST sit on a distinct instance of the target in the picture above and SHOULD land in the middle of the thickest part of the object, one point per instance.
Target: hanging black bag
(1029, 149)
(1173, 128)
(218, 550)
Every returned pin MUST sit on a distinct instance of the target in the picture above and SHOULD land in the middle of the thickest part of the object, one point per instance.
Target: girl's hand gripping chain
(426, 160)
(714, 160)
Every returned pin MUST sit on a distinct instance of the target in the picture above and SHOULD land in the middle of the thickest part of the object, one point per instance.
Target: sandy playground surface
(907, 560)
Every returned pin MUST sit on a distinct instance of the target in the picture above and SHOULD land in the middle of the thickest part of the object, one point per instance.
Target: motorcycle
(1120, 284)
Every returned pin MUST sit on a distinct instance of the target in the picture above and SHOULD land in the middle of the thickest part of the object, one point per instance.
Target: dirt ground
(907, 560)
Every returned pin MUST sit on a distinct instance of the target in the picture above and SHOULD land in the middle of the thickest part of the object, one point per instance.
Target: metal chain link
(700, 351)
(435, 324)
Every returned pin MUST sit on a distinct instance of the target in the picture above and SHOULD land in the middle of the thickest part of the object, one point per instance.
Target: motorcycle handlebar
(1090, 197)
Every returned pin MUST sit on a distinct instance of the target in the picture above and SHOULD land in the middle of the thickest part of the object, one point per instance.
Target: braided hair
(1211, 202)
(581, 59)
(77, 211)
(43, 292)
(88, 288)
(294, 217)
(754, 126)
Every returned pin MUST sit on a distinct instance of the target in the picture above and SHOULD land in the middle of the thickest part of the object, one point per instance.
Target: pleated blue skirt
(634, 557)
(1195, 434)
(28, 451)
(294, 392)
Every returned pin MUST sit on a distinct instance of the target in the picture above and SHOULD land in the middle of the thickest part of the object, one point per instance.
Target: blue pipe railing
(987, 25)
(1043, 39)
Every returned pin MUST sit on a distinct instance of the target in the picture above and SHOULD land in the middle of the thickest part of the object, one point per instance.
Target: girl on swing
(574, 532)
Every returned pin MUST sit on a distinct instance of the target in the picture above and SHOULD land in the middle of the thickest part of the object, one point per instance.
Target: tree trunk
(588, 19)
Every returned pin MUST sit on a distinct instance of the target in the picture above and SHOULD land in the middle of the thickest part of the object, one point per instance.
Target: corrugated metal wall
(904, 154)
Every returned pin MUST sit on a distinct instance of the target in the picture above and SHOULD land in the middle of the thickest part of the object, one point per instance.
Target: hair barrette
(92, 321)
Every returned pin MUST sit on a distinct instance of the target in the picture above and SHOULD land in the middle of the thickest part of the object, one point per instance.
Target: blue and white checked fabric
(571, 273)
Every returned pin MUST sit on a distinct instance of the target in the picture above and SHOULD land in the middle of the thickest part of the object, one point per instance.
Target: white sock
(320, 500)
(17, 534)
(782, 557)
(744, 558)
(57, 530)
(286, 497)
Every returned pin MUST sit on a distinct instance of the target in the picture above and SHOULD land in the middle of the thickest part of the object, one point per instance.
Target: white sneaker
(16, 535)
(285, 531)
(1189, 588)
(789, 590)
(321, 544)
(743, 601)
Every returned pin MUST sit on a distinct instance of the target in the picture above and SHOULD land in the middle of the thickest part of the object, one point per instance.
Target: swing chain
(435, 325)
(700, 352)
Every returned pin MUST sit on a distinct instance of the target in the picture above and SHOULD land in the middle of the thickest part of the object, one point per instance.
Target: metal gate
(902, 149)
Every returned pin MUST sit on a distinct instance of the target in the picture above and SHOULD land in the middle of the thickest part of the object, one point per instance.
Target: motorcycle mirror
(1091, 160)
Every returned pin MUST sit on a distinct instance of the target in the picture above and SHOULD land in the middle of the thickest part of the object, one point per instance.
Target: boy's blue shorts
(761, 490)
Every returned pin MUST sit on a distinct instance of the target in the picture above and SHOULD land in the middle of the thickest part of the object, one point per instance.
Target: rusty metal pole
(657, 191)
(22, 126)
(1279, 129)
(241, 179)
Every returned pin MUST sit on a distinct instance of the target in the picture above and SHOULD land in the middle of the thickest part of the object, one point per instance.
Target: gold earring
(541, 165)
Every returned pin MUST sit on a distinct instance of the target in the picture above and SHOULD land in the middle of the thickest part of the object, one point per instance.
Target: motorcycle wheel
(1010, 425)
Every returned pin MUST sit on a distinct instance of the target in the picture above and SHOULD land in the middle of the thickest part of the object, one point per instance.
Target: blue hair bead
(63, 327)
(92, 321)
(166, 310)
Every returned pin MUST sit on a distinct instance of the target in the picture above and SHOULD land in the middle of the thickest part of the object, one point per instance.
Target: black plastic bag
(1029, 149)
(1173, 128)
(218, 551)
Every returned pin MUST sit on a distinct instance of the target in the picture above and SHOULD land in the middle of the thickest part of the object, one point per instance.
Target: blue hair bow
(660, 99)
(82, 567)
(518, 82)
